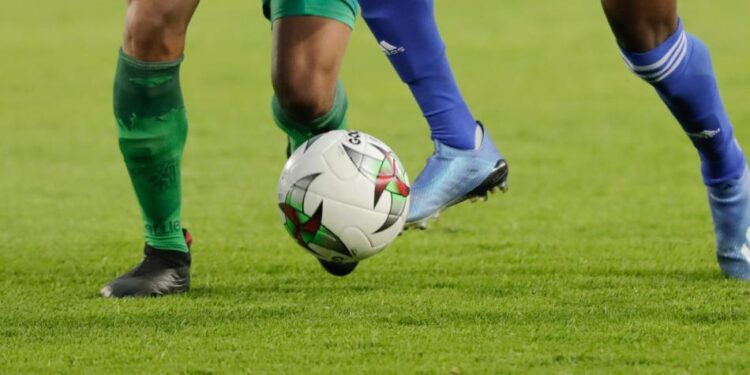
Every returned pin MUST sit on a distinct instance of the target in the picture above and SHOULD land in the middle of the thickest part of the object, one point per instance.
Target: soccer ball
(343, 196)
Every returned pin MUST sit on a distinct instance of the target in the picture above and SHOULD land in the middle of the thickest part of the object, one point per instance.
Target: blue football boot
(730, 209)
(452, 176)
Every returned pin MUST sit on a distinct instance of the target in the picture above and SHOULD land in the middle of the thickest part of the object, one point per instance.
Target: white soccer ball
(343, 196)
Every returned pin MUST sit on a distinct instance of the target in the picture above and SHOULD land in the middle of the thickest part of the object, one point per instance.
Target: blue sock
(681, 72)
(408, 34)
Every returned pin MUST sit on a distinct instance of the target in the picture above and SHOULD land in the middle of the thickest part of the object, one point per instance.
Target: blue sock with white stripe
(680, 70)
(408, 34)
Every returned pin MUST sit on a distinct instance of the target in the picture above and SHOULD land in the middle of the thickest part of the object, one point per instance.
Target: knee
(153, 34)
(305, 96)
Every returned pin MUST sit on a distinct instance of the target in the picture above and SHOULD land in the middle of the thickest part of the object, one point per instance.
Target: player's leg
(309, 41)
(466, 163)
(678, 65)
(152, 128)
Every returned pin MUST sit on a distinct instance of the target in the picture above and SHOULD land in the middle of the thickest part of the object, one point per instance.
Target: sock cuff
(149, 65)
(659, 63)
(333, 119)
(336, 114)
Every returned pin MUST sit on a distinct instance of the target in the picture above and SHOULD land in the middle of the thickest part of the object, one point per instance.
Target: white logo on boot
(745, 251)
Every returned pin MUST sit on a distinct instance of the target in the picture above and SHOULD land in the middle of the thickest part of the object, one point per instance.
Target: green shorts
(341, 10)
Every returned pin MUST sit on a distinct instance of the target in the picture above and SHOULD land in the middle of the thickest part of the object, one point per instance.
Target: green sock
(300, 132)
(152, 129)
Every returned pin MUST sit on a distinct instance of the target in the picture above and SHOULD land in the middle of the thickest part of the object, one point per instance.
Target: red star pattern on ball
(384, 177)
(310, 227)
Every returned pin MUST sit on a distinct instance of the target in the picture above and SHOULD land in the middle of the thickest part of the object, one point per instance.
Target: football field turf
(599, 259)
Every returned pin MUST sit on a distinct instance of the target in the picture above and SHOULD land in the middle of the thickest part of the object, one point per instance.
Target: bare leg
(155, 29)
(641, 25)
(307, 55)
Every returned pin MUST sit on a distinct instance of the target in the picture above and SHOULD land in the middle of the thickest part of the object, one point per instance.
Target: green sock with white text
(152, 129)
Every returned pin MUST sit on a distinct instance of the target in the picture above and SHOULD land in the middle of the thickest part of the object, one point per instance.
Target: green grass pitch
(599, 259)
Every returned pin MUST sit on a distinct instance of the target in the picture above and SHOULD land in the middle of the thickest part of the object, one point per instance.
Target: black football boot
(338, 269)
(161, 272)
